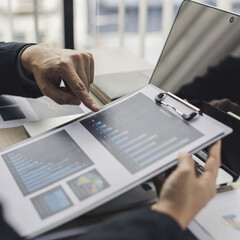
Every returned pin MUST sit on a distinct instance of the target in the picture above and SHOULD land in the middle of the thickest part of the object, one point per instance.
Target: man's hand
(51, 65)
(183, 193)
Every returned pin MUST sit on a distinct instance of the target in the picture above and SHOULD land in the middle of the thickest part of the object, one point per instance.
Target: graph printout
(220, 219)
(72, 169)
(51, 202)
(16, 111)
(33, 170)
(139, 133)
(44, 107)
(88, 184)
(12, 112)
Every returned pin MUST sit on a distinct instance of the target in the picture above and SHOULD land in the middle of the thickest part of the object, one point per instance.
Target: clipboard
(72, 169)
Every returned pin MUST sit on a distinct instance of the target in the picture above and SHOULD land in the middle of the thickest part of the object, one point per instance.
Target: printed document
(83, 164)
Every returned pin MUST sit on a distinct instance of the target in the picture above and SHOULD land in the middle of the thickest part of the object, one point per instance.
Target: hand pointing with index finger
(50, 66)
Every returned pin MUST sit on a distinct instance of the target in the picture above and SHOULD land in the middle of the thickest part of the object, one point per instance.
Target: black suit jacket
(139, 224)
(10, 81)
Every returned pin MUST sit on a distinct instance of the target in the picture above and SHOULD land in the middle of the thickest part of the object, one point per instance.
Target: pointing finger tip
(95, 107)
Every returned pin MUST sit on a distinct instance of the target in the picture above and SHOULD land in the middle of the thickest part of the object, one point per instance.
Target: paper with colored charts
(16, 111)
(220, 219)
(72, 169)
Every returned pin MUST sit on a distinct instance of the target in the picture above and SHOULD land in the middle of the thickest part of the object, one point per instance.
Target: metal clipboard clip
(187, 117)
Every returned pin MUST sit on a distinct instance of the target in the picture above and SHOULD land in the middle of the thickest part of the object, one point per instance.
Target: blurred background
(141, 26)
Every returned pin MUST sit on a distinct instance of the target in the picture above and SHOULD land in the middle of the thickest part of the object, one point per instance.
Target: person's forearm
(6, 232)
(139, 224)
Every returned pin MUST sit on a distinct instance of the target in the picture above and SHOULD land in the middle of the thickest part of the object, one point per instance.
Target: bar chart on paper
(233, 220)
(221, 217)
(33, 170)
(138, 132)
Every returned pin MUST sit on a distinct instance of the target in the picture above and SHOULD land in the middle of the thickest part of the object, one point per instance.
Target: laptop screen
(201, 61)
(230, 144)
(203, 48)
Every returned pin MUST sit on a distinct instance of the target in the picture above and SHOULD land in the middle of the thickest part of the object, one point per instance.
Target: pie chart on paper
(91, 182)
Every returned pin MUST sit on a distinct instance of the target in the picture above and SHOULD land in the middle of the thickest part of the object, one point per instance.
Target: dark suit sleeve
(6, 232)
(10, 80)
(140, 225)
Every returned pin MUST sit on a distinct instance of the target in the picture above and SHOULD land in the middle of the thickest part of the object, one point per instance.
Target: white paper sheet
(220, 219)
(16, 111)
(35, 128)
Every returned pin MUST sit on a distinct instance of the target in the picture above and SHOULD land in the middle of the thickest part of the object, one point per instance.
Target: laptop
(201, 38)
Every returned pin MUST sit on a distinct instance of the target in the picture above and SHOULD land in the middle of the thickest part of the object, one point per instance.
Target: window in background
(4, 20)
(103, 24)
(51, 22)
(20, 23)
(96, 23)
